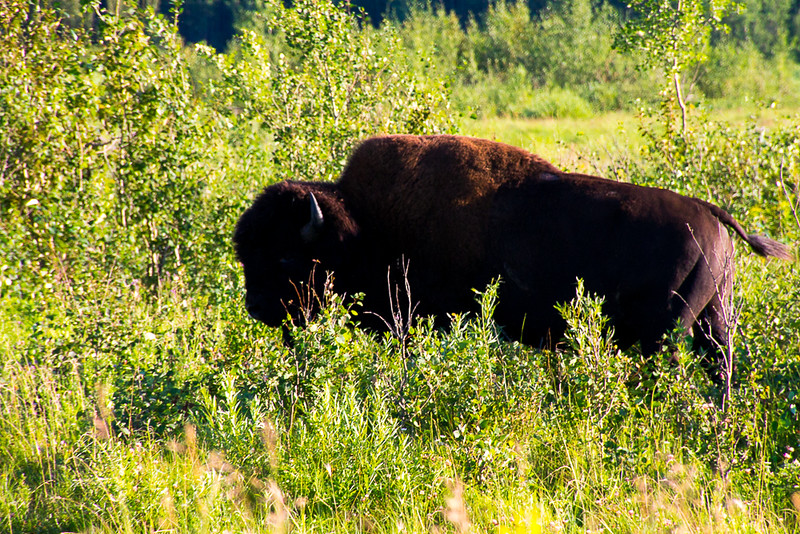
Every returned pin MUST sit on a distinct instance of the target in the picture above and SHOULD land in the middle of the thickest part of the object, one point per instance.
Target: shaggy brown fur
(462, 211)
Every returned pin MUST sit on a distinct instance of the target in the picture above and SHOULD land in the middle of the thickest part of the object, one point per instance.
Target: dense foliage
(557, 59)
(772, 26)
(576, 58)
(136, 395)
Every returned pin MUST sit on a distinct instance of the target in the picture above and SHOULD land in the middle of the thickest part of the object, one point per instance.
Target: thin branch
(792, 205)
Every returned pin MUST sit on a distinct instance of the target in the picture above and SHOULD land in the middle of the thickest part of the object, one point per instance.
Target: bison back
(429, 196)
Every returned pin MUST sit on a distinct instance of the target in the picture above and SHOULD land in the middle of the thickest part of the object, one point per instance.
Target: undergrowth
(137, 396)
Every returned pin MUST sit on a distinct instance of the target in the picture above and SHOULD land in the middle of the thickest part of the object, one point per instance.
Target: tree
(674, 35)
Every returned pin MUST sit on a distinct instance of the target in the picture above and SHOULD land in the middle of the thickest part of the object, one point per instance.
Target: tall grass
(593, 455)
(137, 396)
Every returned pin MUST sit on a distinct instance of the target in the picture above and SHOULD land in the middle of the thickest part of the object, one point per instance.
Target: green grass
(567, 141)
(587, 144)
(504, 455)
(169, 413)
(136, 395)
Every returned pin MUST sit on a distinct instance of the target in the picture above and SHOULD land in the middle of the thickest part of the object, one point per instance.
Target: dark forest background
(773, 26)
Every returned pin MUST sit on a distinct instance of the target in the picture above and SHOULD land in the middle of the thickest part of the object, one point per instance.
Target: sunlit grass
(136, 395)
(586, 144)
(550, 136)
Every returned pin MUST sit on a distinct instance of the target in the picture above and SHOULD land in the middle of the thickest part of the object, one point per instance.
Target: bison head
(292, 235)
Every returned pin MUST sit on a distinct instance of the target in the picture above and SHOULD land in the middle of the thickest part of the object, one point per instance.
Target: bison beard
(465, 211)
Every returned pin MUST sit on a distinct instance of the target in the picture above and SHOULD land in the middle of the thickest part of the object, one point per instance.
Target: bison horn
(312, 228)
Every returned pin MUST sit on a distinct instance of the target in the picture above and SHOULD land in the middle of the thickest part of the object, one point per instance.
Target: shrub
(594, 371)
(434, 40)
(563, 50)
(329, 86)
(757, 78)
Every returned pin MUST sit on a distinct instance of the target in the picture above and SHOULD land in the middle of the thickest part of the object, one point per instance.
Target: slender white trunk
(676, 78)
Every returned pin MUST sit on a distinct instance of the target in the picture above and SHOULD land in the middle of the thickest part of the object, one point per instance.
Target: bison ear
(313, 227)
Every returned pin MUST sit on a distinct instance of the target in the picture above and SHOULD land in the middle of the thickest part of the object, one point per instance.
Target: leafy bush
(102, 149)
(594, 371)
(750, 171)
(124, 162)
(331, 84)
(433, 39)
(557, 63)
(759, 78)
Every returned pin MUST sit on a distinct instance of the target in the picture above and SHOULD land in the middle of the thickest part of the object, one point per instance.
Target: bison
(463, 211)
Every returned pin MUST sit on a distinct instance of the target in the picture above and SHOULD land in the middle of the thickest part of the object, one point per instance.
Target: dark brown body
(464, 211)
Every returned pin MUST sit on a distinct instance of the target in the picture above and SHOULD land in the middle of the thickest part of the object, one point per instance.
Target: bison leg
(711, 340)
(704, 306)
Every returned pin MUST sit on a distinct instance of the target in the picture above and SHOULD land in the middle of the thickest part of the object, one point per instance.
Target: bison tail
(764, 246)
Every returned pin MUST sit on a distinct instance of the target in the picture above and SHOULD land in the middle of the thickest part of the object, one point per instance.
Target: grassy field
(587, 144)
(191, 418)
(137, 396)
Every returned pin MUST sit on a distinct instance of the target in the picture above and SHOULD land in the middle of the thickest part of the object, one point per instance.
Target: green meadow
(136, 395)
(588, 143)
